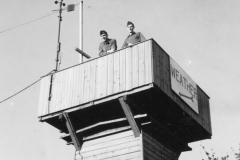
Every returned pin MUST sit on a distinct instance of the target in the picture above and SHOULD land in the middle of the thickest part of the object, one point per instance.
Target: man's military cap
(128, 23)
(103, 32)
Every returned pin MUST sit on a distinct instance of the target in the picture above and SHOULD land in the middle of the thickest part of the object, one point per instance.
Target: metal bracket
(128, 113)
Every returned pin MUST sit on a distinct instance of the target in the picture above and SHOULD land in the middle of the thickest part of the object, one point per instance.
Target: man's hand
(130, 44)
(110, 51)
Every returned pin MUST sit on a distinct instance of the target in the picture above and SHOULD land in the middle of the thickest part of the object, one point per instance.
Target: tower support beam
(75, 140)
(128, 113)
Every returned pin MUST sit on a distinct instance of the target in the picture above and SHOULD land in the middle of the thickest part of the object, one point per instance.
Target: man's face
(104, 36)
(130, 28)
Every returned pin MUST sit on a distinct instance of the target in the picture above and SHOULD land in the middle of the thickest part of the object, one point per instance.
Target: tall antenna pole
(81, 30)
(59, 29)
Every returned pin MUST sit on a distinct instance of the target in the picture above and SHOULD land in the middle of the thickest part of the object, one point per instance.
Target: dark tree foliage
(212, 156)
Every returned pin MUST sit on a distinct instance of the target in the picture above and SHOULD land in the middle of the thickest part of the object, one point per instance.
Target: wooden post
(75, 140)
(129, 115)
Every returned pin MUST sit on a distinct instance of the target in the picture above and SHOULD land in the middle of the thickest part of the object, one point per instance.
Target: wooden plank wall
(44, 95)
(161, 69)
(154, 150)
(203, 103)
(123, 145)
(101, 77)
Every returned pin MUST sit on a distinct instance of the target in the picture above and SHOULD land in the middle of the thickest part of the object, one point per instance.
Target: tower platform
(138, 90)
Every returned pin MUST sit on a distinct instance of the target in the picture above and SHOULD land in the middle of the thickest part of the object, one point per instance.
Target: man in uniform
(133, 37)
(108, 45)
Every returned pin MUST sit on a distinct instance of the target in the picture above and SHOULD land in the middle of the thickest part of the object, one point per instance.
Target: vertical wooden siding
(161, 69)
(118, 146)
(44, 95)
(121, 71)
(154, 150)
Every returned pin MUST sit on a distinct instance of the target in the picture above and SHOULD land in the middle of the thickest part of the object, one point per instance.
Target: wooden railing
(120, 71)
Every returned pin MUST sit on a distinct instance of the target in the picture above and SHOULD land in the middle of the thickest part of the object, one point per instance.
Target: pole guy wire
(27, 23)
(89, 7)
(20, 91)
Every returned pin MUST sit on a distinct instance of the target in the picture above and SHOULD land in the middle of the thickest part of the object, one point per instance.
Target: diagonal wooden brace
(75, 140)
(128, 113)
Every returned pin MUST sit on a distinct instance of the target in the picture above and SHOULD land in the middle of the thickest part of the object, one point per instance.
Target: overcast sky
(201, 36)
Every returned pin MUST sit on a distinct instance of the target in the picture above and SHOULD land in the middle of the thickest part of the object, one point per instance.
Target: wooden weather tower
(135, 103)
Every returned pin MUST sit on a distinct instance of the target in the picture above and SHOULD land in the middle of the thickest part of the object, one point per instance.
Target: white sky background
(201, 36)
